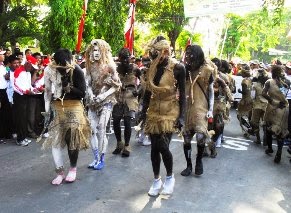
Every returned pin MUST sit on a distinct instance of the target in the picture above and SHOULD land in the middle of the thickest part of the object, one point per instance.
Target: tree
(182, 40)
(164, 16)
(61, 25)
(106, 20)
(24, 24)
(251, 36)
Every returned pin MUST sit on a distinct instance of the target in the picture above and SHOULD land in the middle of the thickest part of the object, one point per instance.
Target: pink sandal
(71, 177)
(59, 179)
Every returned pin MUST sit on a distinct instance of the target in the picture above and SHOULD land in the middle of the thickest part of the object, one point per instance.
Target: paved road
(241, 179)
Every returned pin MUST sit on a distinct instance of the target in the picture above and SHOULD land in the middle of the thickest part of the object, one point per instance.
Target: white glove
(209, 114)
(100, 98)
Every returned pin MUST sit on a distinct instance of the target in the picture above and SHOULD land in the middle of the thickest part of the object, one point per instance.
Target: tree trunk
(173, 35)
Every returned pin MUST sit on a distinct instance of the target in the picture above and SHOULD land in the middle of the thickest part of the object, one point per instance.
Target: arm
(145, 105)
(180, 76)
(89, 94)
(211, 100)
(47, 90)
(114, 82)
(225, 89)
(78, 89)
(265, 92)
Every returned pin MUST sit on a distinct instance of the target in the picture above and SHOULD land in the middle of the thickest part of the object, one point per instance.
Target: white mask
(96, 53)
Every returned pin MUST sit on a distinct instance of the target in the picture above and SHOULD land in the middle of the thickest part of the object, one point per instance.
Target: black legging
(289, 117)
(73, 154)
(127, 128)
(160, 145)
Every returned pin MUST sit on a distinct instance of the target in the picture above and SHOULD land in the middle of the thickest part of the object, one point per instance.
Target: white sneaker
(27, 141)
(14, 135)
(45, 135)
(218, 142)
(21, 143)
(168, 186)
(146, 142)
(155, 188)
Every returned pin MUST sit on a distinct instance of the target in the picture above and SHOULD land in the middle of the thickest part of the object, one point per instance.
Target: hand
(7, 77)
(209, 114)
(134, 92)
(29, 92)
(141, 117)
(239, 90)
(281, 105)
(100, 98)
(65, 80)
(67, 89)
(179, 123)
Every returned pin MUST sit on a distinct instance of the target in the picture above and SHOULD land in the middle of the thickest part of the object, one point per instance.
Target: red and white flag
(189, 42)
(129, 27)
(81, 27)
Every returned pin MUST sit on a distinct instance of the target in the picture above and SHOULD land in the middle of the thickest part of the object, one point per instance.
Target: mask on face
(153, 54)
(96, 53)
(124, 59)
(188, 58)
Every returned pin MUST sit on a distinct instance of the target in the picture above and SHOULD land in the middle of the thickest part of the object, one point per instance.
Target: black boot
(258, 141)
(277, 158)
(199, 164)
(187, 152)
(280, 143)
(264, 137)
(119, 147)
(212, 149)
(269, 139)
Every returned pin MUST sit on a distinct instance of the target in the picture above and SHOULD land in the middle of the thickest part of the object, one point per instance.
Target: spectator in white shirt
(23, 89)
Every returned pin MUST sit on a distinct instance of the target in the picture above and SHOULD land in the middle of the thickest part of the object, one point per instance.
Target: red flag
(81, 27)
(129, 27)
(189, 42)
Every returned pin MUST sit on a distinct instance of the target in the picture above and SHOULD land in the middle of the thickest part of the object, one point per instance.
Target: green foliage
(251, 36)
(61, 25)
(143, 35)
(19, 22)
(106, 20)
(164, 16)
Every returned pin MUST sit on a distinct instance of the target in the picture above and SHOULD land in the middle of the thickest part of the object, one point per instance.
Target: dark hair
(276, 71)
(12, 58)
(18, 53)
(36, 54)
(124, 53)
(160, 38)
(217, 62)
(62, 56)
(225, 66)
(27, 50)
(197, 55)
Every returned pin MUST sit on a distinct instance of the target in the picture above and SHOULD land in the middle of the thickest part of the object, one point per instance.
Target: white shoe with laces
(155, 187)
(21, 143)
(168, 186)
(27, 141)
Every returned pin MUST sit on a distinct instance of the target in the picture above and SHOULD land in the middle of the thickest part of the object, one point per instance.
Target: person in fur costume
(201, 74)
(163, 110)
(276, 115)
(127, 101)
(103, 83)
(69, 125)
